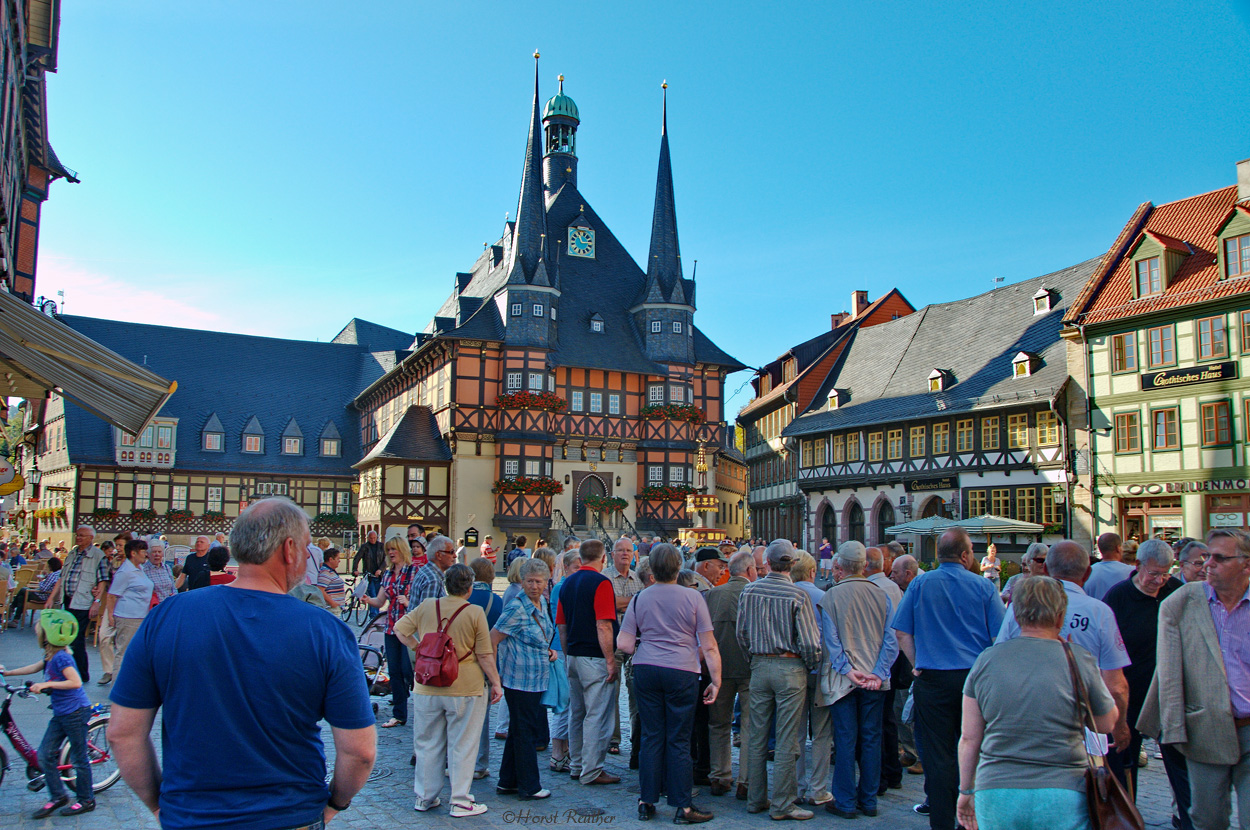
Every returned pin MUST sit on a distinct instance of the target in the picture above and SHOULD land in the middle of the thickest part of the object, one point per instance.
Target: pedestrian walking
(991, 567)
(1199, 700)
(667, 628)
(447, 719)
(1022, 749)
(522, 640)
(1111, 570)
(129, 599)
(777, 627)
(252, 760)
(586, 615)
(948, 616)
(394, 595)
(86, 575)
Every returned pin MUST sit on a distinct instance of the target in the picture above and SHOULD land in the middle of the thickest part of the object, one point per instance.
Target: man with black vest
(586, 615)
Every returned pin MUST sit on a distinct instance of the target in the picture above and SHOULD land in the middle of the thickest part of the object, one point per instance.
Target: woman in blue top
(522, 640)
(70, 711)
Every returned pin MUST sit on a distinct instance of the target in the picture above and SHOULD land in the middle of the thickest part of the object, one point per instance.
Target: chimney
(1243, 180)
(859, 303)
(838, 319)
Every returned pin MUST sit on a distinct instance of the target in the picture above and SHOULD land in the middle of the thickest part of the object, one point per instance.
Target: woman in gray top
(1022, 751)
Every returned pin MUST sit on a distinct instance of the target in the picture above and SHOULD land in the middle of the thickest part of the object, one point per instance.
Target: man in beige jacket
(1200, 697)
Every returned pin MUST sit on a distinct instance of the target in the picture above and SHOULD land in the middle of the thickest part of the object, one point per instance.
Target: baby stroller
(373, 656)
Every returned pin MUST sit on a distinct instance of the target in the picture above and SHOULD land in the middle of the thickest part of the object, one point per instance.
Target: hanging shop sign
(1208, 373)
(1155, 488)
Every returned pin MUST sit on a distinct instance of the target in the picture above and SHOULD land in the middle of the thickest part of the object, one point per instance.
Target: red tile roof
(1188, 224)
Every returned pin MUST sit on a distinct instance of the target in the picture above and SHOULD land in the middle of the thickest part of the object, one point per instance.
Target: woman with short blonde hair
(394, 595)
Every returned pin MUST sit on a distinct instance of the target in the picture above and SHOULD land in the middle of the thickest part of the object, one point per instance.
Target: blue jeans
(373, 584)
(399, 666)
(857, 734)
(74, 727)
(666, 701)
(483, 745)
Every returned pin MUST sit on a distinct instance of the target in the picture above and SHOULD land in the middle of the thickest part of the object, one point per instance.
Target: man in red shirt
(586, 615)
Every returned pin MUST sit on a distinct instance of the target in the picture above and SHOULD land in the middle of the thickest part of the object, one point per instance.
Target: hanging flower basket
(669, 492)
(176, 515)
(608, 504)
(541, 486)
(531, 400)
(143, 514)
(673, 412)
(105, 514)
(213, 515)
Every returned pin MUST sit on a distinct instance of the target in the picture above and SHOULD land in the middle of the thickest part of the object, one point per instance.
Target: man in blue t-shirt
(240, 722)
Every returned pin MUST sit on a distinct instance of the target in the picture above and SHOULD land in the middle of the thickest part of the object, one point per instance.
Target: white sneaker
(466, 810)
(423, 806)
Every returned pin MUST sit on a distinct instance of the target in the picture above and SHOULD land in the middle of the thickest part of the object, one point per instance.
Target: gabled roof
(253, 427)
(886, 367)
(226, 382)
(1194, 223)
(414, 438)
(292, 430)
(380, 338)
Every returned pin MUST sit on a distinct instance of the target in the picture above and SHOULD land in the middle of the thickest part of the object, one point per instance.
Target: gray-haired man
(777, 627)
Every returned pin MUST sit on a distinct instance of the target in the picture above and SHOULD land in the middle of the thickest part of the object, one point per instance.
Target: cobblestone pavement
(388, 797)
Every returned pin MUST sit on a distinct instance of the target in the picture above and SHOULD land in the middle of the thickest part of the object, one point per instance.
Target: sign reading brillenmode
(1208, 373)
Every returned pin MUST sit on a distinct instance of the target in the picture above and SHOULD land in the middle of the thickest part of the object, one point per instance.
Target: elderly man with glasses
(1199, 700)
(1193, 561)
(1135, 603)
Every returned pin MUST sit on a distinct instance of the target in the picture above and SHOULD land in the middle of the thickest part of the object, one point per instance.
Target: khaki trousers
(720, 729)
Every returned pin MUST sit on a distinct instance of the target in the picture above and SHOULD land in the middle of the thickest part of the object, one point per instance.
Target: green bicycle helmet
(59, 627)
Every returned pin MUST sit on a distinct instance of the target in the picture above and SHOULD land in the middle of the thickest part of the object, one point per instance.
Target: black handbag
(1110, 808)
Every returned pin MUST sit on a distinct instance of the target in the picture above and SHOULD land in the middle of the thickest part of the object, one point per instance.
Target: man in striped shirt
(777, 628)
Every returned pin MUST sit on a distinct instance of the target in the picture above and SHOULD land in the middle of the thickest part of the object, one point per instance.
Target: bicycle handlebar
(20, 691)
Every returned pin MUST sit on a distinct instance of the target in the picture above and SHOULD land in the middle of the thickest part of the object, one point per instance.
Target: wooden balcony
(662, 515)
(520, 511)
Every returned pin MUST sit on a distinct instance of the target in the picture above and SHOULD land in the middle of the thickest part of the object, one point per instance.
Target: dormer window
(1024, 364)
(939, 380)
(253, 437)
(330, 442)
(213, 441)
(292, 439)
(766, 384)
(789, 369)
(213, 438)
(596, 323)
(837, 397)
(1042, 300)
(1149, 280)
(1237, 256)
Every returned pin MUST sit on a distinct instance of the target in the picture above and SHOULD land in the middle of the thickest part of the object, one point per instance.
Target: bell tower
(560, 159)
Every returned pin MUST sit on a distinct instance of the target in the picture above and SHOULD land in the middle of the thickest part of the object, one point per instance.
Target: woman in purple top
(665, 628)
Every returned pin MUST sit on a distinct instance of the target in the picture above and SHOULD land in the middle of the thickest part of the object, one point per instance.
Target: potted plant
(531, 400)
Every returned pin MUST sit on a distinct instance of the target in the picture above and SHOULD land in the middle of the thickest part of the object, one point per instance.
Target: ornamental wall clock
(582, 242)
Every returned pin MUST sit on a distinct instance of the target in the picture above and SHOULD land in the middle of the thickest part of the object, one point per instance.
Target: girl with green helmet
(70, 711)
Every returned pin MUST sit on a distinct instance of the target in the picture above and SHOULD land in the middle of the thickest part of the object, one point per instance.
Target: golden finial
(664, 85)
(535, 54)
(561, 79)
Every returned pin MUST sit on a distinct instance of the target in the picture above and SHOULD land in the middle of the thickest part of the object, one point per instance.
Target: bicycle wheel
(104, 769)
(362, 613)
(348, 606)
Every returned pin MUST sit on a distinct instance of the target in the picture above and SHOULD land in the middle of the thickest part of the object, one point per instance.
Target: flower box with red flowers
(609, 504)
(531, 400)
(143, 514)
(178, 515)
(673, 412)
(666, 492)
(105, 514)
(213, 515)
(534, 486)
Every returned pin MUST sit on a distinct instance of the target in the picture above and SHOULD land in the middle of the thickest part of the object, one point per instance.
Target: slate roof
(1192, 224)
(379, 338)
(415, 437)
(236, 378)
(885, 368)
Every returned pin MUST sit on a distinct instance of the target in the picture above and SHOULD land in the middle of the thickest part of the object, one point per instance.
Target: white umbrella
(997, 526)
(928, 526)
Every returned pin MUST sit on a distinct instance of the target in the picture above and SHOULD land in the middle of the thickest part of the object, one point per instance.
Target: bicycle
(353, 604)
(104, 769)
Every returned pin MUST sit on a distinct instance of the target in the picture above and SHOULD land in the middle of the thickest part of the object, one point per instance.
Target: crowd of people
(834, 675)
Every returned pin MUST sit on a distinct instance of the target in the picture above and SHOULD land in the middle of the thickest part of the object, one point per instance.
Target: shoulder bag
(1110, 808)
(556, 696)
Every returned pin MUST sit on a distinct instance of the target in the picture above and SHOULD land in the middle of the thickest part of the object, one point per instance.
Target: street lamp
(1059, 494)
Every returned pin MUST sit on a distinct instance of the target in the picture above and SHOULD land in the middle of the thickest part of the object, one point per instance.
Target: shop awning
(39, 354)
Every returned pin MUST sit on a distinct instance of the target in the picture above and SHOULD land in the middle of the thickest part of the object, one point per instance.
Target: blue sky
(278, 168)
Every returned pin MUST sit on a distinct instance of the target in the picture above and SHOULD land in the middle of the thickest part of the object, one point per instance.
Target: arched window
(856, 522)
(885, 518)
(829, 525)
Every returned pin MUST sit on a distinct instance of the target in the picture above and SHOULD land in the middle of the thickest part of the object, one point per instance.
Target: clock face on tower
(581, 242)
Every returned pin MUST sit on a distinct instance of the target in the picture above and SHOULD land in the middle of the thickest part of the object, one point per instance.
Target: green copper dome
(561, 104)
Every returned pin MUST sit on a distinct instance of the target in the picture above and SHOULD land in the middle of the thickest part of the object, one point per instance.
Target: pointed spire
(531, 213)
(664, 258)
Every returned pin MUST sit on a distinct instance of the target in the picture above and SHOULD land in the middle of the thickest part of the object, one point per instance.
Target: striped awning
(39, 354)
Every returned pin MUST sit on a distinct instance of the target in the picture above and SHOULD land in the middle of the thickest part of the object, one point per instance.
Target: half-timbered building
(1162, 335)
(955, 410)
(784, 389)
(557, 377)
